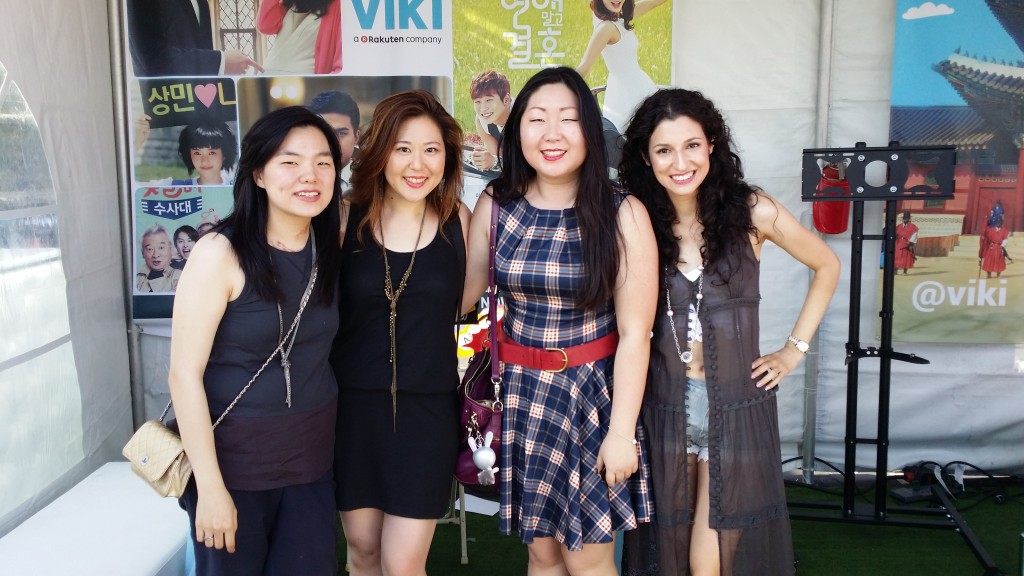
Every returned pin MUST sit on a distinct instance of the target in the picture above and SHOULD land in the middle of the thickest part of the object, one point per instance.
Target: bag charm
(484, 457)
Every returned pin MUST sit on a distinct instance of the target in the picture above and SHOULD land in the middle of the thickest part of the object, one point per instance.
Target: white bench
(110, 524)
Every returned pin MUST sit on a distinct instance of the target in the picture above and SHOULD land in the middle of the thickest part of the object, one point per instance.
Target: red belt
(556, 359)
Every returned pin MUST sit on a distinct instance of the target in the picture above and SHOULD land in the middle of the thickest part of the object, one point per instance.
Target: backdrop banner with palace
(957, 76)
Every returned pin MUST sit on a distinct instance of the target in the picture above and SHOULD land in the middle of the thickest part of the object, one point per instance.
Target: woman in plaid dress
(576, 265)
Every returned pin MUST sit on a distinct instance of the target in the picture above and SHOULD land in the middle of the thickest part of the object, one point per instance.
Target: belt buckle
(565, 359)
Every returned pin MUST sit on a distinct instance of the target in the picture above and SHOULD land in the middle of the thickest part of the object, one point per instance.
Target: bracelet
(632, 441)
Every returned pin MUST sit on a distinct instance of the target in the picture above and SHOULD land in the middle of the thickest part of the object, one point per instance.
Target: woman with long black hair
(261, 285)
(575, 264)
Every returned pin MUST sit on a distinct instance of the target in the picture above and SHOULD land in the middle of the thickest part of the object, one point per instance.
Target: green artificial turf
(822, 548)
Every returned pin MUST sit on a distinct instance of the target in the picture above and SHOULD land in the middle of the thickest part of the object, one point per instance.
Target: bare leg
(704, 555)
(362, 533)
(546, 558)
(405, 543)
(593, 560)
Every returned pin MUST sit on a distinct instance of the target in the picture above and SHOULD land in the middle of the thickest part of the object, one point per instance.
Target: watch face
(800, 344)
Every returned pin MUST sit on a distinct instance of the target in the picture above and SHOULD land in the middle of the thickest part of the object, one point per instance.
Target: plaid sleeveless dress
(554, 423)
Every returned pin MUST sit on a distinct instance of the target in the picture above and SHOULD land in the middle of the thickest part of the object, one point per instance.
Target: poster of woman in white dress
(621, 47)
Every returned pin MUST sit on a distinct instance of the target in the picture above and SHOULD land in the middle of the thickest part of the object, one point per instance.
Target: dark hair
(189, 231)
(724, 198)
(595, 194)
(246, 225)
(603, 13)
(377, 142)
(335, 102)
(215, 135)
(488, 81)
(317, 7)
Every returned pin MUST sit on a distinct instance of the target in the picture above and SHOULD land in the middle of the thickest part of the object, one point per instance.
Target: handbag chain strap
(280, 345)
(492, 306)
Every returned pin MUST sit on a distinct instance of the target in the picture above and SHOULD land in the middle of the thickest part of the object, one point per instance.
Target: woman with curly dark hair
(720, 507)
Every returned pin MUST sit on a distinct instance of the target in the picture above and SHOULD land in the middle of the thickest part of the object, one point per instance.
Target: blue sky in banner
(924, 41)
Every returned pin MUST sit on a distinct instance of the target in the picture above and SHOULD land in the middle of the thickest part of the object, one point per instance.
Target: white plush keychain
(484, 458)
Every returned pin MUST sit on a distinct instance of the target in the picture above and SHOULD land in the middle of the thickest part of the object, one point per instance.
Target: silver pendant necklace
(286, 351)
(685, 356)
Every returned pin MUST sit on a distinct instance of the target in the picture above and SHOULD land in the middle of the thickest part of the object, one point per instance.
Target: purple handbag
(480, 391)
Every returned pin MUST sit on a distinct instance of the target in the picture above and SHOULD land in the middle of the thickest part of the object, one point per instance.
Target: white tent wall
(58, 57)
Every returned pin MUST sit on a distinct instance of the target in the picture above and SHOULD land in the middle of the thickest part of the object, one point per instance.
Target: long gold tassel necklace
(392, 295)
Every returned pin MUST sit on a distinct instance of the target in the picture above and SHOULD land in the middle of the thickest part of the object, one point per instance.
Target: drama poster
(172, 38)
(185, 132)
(619, 48)
(960, 262)
(169, 220)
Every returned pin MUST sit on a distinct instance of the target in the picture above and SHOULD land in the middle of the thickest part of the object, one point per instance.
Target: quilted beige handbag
(157, 456)
(155, 451)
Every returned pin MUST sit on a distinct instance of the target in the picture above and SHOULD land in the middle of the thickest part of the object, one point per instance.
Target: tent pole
(812, 362)
(118, 88)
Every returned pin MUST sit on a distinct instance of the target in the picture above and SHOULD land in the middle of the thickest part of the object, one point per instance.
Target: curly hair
(724, 198)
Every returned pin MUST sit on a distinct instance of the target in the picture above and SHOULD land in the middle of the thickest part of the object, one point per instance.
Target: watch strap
(800, 345)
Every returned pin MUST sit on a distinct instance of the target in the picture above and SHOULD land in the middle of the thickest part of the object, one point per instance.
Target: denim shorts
(697, 418)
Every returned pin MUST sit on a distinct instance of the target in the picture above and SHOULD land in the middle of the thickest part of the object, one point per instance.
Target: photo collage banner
(202, 71)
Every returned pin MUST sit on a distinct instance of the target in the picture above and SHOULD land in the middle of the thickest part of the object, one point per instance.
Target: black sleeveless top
(424, 326)
(263, 444)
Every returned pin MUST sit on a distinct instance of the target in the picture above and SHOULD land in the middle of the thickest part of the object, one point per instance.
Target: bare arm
(636, 295)
(642, 7)
(211, 280)
(778, 225)
(605, 33)
(479, 249)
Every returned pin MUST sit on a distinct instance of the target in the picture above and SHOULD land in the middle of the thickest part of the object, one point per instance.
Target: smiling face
(208, 162)
(416, 164)
(346, 133)
(551, 135)
(184, 244)
(679, 154)
(299, 177)
(491, 109)
(156, 250)
(613, 6)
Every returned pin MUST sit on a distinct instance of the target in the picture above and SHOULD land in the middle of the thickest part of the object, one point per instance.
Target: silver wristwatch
(802, 346)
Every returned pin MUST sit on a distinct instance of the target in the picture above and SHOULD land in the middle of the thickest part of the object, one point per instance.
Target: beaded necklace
(685, 356)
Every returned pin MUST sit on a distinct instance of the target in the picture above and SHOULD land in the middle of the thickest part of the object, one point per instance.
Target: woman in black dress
(395, 359)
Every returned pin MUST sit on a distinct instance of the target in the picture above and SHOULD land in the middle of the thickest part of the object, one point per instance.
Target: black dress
(400, 460)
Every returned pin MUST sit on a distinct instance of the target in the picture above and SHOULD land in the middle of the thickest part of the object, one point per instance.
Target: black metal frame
(854, 162)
